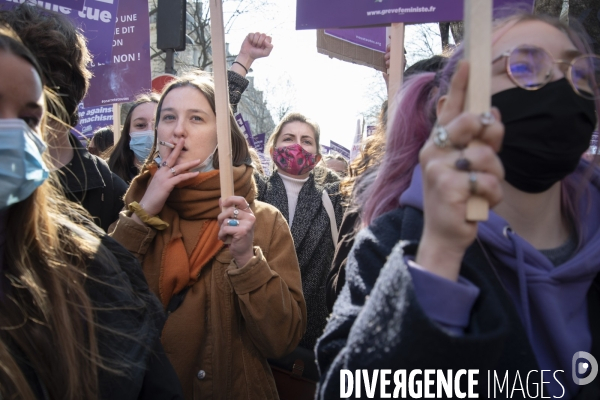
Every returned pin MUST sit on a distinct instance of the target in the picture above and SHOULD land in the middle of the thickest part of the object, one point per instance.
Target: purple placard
(371, 130)
(338, 148)
(239, 118)
(319, 14)
(96, 20)
(90, 119)
(248, 134)
(129, 72)
(245, 128)
(259, 142)
(371, 38)
(265, 161)
(325, 149)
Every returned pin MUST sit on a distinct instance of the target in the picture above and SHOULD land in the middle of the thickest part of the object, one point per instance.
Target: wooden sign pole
(116, 122)
(478, 52)
(396, 71)
(221, 98)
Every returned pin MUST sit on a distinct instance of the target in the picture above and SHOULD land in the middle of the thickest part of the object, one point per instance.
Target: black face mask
(546, 133)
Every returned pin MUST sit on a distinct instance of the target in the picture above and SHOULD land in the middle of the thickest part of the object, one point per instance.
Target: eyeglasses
(531, 67)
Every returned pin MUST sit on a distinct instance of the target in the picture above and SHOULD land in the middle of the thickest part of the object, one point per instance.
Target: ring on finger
(441, 138)
(173, 171)
(164, 164)
(233, 222)
(473, 182)
(462, 163)
(487, 118)
(236, 213)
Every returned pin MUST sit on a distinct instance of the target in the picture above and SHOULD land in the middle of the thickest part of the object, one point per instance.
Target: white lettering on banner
(127, 57)
(106, 1)
(95, 14)
(124, 29)
(47, 6)
(128, 18)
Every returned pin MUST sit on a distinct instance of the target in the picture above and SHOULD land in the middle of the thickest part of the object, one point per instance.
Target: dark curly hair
(60, 50)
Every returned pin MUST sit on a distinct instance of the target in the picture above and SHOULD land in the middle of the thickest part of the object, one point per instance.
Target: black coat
(124, 304)
(314, 245)
(377, 322)
(88, 180)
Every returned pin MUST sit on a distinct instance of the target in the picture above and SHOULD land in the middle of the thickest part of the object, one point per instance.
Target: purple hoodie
(551, 301)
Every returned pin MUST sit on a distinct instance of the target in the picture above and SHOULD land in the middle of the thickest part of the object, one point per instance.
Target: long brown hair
(204, 83)
(121, 157)
(45, 313)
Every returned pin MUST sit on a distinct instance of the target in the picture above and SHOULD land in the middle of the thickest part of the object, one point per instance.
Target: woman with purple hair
(516, 295)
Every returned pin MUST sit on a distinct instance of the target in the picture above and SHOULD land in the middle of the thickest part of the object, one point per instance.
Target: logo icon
(582, 367)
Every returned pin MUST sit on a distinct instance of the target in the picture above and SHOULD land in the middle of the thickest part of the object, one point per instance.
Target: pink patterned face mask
(294, 159)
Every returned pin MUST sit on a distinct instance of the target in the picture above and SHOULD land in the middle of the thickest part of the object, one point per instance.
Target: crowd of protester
(125, 275)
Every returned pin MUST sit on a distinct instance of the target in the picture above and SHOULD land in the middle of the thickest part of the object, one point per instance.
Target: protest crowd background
(125, 273)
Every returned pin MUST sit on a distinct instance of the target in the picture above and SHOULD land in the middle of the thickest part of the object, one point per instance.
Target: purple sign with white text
(128, 74)
(248, 134)
(90, 119)
(338, 148)
(259, 142)
(371, 38)
(96, 20)
(319, 14)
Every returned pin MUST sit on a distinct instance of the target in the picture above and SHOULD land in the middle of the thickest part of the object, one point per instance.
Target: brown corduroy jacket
(232, 319)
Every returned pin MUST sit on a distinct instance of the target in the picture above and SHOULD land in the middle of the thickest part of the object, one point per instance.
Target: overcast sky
(332, 92)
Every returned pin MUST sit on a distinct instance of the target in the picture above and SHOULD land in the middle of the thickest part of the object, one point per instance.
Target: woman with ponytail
(517, 294)
(77, 320)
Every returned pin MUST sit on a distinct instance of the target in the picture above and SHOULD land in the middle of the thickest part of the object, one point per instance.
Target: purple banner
(266, 163)
(97, 21)
(371, 38)
(239, 118)
(128, 74)
(248, 134)
(371, 130)
(259, 142)
(90, 119)
(319, 14)
(325, 149)
(245, 128)
(338, 148)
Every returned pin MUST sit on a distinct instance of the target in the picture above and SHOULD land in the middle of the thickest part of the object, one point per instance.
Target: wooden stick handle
(478, 51)
(221, 99)
(396, 71)
(116, 122)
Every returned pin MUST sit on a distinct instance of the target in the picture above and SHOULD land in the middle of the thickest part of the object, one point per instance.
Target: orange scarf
(178, 253)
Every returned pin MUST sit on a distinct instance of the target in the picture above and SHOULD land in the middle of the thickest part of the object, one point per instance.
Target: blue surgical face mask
(22, 169)
(141, 144)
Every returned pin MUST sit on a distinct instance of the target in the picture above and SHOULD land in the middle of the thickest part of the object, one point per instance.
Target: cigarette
(169, 145)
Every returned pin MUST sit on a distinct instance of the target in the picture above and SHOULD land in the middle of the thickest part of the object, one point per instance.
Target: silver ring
(233, 222)
(440, 136)
(164, 164)
(487, 118)
(473, 182)
(235, 213)
(173, 171)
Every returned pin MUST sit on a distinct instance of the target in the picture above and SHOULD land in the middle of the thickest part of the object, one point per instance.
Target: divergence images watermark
(420, 383)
